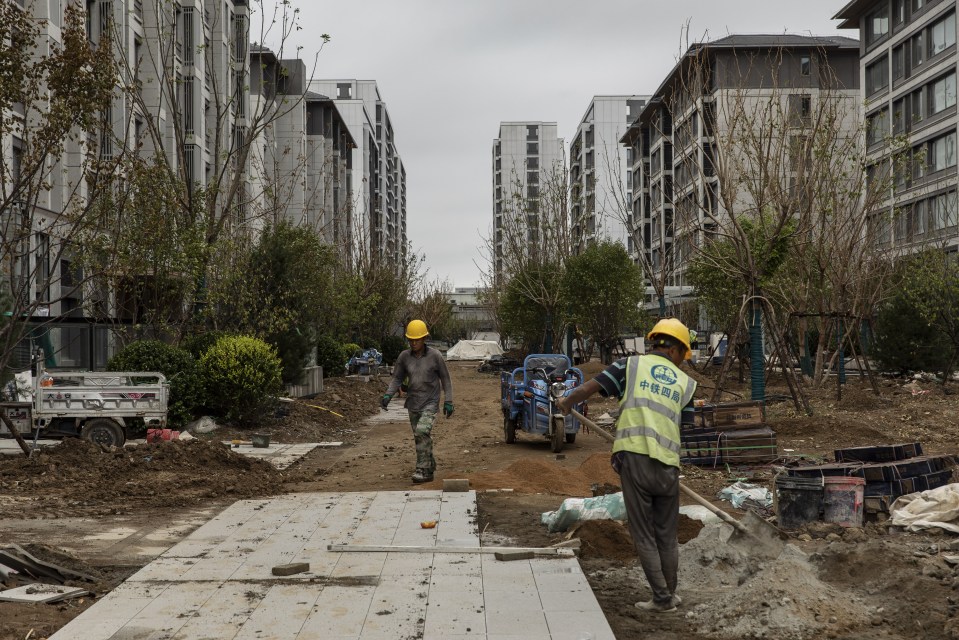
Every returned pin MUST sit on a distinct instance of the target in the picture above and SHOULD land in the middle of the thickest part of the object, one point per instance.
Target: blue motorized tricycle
(528, 395)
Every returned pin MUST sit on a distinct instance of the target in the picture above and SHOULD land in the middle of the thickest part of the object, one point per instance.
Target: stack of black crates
(890, 471)
(733, 433)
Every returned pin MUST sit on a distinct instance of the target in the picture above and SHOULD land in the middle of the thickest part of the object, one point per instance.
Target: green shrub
(241, 376)
(198, 343)
(349, 348)
(904, 342)
(393, 346)
(329, 355)
(179, 367)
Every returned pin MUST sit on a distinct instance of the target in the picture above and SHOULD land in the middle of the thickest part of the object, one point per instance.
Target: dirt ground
(874, 582)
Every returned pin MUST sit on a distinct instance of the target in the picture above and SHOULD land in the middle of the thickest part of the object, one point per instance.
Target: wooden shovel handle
(689, 492)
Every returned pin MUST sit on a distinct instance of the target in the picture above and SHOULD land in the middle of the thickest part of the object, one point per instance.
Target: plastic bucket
(798, 501)
(842, 500)
(261, 440)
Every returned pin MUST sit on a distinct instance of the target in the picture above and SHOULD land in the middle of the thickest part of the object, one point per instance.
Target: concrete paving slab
(218, 581)
(40, 593)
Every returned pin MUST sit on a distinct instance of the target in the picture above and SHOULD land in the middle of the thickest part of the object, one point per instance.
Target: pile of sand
(754, 597)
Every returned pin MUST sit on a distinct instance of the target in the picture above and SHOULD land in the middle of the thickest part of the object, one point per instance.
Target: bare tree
(199, 111)
(531, 248)
(54, 113)
(786, 186)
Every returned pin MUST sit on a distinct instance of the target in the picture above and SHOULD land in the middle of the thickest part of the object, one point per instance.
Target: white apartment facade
(908, 61)
(600, 200)
(300, 166)
(378, 176)
(528, 164)
(187, 64)
(674, 182)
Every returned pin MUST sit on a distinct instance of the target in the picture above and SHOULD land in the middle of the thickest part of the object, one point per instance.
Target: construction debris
(291, 568)
(41, 593)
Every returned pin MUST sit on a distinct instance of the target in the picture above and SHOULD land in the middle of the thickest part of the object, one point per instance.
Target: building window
(877, 126)
(877, 76)
(532, 148)
(942, 35)
(918, 111)
(942, 153)
(899, 63)
(898, 12)
(877, 25)
(532, 164)
(942, 211)
(805, 66)
(344, 91)
(800, 109)
(919, 218)
(532, 132)
(943, 94)
(899, 116)
(917, 50)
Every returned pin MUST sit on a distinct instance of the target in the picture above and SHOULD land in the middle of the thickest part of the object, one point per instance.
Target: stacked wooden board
(890, 471)
(733, 433)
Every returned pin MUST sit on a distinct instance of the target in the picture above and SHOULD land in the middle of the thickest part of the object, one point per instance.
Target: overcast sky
(451, 70)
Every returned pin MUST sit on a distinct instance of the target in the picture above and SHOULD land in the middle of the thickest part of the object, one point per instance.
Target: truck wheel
(104, 432)
(559, 431)
(509, 430)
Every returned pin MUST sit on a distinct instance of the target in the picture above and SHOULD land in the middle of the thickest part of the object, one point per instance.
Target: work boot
(422, 476)
(657, 607)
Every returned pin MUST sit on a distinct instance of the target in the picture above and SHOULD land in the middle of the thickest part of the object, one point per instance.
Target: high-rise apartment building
(528, 168)
(908, 62)
(300, 169)
(599, 200)
(191, 98)
(674, 181)
(378, 175)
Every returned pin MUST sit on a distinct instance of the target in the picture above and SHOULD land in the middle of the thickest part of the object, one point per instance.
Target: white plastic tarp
(935, 508)
(473, 350)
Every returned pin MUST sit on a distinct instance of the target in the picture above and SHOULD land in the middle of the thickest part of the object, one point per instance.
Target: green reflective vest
(649, 413)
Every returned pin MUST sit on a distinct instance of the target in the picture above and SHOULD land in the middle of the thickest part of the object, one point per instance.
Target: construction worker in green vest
(652, 390)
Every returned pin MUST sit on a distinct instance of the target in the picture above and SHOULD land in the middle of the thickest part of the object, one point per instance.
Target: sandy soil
(862, 583)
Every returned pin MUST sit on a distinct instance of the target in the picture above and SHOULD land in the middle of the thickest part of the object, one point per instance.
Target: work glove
(385, 400)
(447, 409)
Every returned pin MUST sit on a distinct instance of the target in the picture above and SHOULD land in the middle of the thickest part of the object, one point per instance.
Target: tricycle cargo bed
(108, 394)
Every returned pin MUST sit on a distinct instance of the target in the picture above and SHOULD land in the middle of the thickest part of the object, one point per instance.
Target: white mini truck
(99, 406)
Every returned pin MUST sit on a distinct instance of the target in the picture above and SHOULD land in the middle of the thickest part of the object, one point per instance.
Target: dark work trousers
(651, 493)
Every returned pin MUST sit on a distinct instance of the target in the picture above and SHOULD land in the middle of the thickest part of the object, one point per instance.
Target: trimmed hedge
(241, 378)
(179, 367)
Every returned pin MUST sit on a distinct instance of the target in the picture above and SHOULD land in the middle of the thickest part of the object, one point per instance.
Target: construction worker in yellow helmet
(653, 390)
(424, 370)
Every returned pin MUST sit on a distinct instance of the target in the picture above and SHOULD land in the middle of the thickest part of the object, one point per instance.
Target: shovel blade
(764, 537)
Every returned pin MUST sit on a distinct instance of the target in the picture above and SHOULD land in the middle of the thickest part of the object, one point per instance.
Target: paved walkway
(217, 583)
(279, 455)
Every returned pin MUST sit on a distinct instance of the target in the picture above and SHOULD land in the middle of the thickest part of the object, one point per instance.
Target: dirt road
(868, 583)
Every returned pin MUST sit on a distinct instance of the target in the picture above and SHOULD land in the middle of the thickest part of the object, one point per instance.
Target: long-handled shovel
(758, 530)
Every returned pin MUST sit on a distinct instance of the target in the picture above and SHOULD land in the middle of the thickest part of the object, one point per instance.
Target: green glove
(385, 400)
(447, 409)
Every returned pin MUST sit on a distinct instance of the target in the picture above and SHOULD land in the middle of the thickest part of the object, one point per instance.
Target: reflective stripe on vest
(649, 419)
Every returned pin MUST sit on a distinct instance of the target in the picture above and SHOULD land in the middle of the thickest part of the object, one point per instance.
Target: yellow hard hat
(675, 329)
(416, 329)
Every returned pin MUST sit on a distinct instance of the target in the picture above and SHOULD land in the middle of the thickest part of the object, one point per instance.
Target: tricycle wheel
(509, 430)
(104, 432)
(559, 430)
(570, 438)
